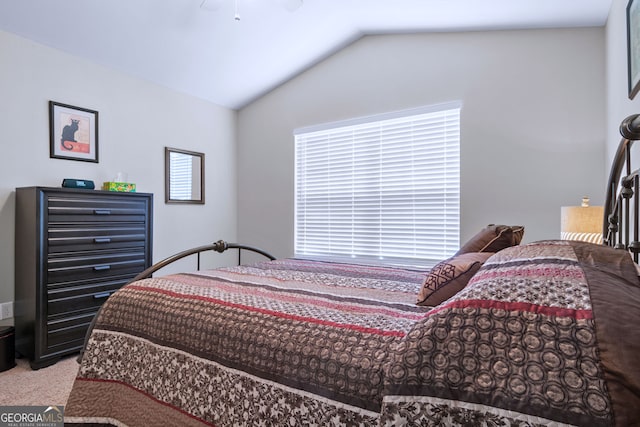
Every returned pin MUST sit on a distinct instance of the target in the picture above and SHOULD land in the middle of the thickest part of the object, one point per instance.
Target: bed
(505, 334)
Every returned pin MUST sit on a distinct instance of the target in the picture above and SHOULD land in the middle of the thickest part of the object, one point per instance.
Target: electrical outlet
(6, 310)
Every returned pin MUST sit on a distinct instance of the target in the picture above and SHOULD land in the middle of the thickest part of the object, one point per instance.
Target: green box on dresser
(73, 248)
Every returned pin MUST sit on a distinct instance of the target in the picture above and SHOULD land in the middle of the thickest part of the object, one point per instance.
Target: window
(382, 189)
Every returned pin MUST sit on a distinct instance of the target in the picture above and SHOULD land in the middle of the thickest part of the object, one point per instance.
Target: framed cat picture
(73, 132)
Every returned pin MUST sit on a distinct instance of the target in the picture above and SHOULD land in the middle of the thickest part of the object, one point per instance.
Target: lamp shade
(582, 223)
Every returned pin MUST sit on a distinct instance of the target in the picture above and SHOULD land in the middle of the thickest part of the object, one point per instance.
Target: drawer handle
(103, 295)
(102, 240)
(102, 212)
(102, 267)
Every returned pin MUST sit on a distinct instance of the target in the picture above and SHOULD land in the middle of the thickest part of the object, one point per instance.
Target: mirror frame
(167, 174)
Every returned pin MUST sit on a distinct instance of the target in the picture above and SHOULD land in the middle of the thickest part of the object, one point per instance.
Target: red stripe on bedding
(319, 302)
(362, 329)
(517, 306)
(162, 402)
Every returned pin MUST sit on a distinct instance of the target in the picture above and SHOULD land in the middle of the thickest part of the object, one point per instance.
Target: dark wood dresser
(73, 248)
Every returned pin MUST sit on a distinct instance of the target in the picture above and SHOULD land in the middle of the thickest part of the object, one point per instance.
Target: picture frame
(633, 47)
(73, 132)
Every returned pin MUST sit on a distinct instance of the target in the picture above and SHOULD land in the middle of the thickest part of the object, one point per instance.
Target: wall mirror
(183, 176)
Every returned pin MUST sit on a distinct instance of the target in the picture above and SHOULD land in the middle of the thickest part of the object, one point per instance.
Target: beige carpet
(44, 387)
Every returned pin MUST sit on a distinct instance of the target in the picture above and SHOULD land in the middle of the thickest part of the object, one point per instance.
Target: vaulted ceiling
(199, 48)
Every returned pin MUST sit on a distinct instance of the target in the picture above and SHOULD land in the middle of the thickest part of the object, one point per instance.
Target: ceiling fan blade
(211, 4)
(290, 5)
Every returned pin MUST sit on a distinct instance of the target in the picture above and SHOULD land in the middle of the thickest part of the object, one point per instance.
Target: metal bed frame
(219, 246)
(619, 217)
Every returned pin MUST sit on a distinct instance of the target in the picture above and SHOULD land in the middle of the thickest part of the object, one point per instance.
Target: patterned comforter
(544, 334)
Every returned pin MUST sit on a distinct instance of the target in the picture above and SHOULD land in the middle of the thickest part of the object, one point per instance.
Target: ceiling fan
(290, 5)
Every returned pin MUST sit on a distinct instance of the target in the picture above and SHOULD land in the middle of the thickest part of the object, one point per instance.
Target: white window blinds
(380, 189)
(181, 169)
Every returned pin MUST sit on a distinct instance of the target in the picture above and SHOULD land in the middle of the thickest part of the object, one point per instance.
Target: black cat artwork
(69, 134)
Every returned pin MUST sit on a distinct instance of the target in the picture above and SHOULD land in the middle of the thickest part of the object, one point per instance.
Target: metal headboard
(622, 209)
(219, 246)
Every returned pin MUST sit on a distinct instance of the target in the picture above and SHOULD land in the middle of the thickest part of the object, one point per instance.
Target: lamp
(582, 222)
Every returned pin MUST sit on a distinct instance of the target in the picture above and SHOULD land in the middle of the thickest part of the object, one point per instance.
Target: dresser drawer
(94, 265)
(68, 333)
(82, 237)
(88, 295)
(92, 209)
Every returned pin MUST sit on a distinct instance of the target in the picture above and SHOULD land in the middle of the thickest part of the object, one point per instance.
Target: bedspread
(544, 334)
(281, 342)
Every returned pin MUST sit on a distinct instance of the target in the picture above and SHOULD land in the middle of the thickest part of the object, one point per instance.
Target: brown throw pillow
(493, 238)
(449, 277)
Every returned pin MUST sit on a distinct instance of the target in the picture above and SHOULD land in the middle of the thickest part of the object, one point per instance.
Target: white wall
(137, 120)
(619, 105)
(532, 124)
